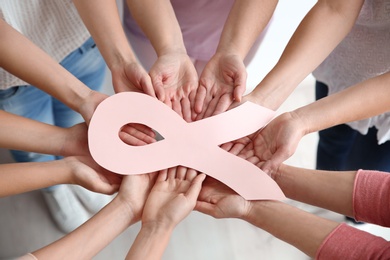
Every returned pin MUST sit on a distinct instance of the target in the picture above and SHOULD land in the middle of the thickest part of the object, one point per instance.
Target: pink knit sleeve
(346, 242)
(371, 203)
(371, 198)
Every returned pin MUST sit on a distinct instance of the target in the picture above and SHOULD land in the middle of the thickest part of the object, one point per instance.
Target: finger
(191, 97)
(240, 87)
(206, 104)
(140, 131)
(253, 159)
(196, 185)
(172, 173)
(190, 174)
(158, 88)
(227, 146)
(147, 86)
(167, 101)
(162, 175)
(209, 110)
(131, 140)
(181, 173)
(206, 208)
(200, 98)
(186, 109)
(176, 106)
(223, 104)
(138, 140)
(237, 148)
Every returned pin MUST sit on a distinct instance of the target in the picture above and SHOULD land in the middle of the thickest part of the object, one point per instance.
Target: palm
(132, 77)
(223, 200)
(168, 201)
(221, 83)
(173, 76)
(276, 142)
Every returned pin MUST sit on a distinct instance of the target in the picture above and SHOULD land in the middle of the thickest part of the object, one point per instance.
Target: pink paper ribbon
(194, 145)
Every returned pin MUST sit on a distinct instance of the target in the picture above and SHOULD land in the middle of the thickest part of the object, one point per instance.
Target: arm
(322, 29)
(101, 229)
(40, 70)
(38, 137)
(300, 229)
(225, 75)
(172, 198)
(173, 75)
(23, 177)
(107, 31)
(279, 139)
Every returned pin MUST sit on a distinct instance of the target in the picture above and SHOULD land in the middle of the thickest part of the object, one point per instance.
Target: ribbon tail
(243, 177)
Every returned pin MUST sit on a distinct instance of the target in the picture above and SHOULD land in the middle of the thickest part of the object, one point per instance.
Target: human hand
(134, 191)
(174, 79)
(87, 173)
(131, 76)
(222, 82)
(172, 197)
(219, 201)
(275, 143)
(137, 134)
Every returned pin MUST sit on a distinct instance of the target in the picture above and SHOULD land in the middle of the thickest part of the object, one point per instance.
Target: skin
(223, 80)
(42, 71)
(321, 30)
(301, 229)
(172, 198)
(107, 31)
(279, 139)
(160, 201)
(173, 75)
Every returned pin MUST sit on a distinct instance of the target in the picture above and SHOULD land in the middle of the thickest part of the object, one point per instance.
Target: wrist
(133, 209)
(159, 228)
(304, 124)
(171, 49)
(128, 209)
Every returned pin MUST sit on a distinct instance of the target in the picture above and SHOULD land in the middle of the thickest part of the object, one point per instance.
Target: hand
(173, 196)
(137, 134)
(87, 173)
(131, 76)
(275, 143)
(222, 82)
(134, 191)
(219, 201)
(174, 78)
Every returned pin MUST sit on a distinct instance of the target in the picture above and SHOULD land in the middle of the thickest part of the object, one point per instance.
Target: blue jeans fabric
(343, 148)
(86, 64)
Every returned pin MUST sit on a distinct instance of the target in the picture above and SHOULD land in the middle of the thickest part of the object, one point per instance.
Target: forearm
(294, 226)
(25, 60)
(18, 178)
(107, 30)
(326, 189)
(366, 99)
(34, 136)
(246, 20)
(150, 243)
(322, 29)
(90, 238)
(158, 21)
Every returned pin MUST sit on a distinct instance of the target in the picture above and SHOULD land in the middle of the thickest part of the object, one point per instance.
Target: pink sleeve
(371, 197)
(346, 242)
